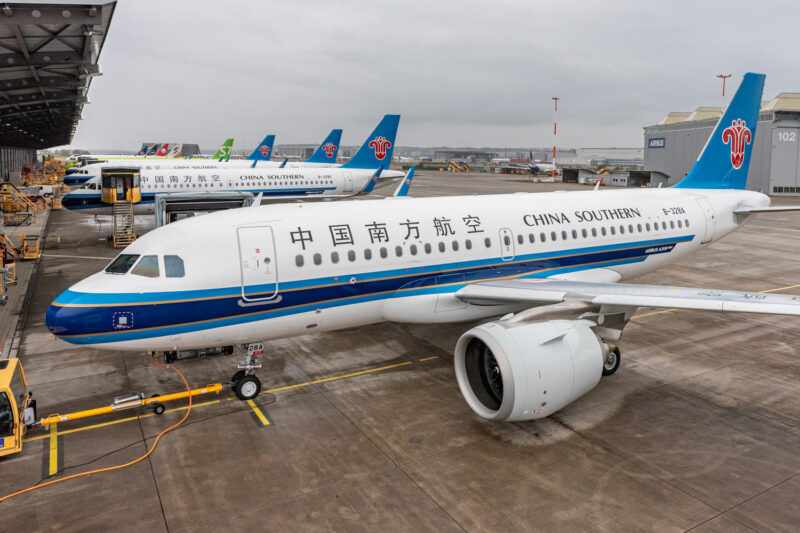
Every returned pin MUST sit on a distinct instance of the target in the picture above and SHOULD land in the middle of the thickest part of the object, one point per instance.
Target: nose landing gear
(245, 383)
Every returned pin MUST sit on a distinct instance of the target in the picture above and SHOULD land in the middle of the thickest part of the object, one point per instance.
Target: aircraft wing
(628, 295)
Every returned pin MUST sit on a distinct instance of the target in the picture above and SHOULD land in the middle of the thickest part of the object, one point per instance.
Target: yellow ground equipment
(15, 205)
(14, 400)
(121, 188)
(156, 403)
(457, 166)
(8, 259)
(31, 247)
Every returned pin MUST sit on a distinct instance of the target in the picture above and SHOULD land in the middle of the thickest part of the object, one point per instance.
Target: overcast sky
(461, 73)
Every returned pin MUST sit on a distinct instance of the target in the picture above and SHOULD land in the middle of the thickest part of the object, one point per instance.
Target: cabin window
(506, 240)
(520, 239)
(351, 255)
(122, 264)
(455, 246)
(647, 226)
(613, 230)
(664, 225)
(584, 233)
(630, 228)
(531, 238)
(334, 257)
(574, 234)
(621, 229)
(564, 235)
(367, 254)
(384, 252)
(488, 242)
(671, 224)
(428, 247)
(639, 228)
(594, 232)
(173, 266)
(686, 222)
(542, 237)
(442, 247)
(298, 260)
(468, 244)
(413, 249)
(398, 251)
(680, 223)
(147, 267)
(317, 259)
(603, 231)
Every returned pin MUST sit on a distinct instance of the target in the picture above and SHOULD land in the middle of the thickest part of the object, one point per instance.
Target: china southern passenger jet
(554, 266)
(357, 176)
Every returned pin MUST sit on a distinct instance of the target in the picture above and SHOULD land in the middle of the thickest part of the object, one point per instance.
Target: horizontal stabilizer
(405, 185)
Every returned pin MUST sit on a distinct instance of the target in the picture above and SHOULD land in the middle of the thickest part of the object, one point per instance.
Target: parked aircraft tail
(224, 152)
(724, 161)
(376, 152)
(328, 150)
(263, 152)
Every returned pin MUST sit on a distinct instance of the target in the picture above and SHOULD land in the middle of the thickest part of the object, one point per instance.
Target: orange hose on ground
(139, 459)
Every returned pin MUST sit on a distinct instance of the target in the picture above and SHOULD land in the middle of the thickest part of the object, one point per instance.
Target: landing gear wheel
(159, 409)
(238, 376)
(612, 361)
(247, 388)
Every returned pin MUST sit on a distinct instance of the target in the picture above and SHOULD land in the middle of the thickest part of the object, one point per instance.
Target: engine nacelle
(523, 371)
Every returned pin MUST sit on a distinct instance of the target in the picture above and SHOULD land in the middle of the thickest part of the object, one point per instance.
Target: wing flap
(629, 295)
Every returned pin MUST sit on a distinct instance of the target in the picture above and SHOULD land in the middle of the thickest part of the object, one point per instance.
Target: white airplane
(553, 266)
(273, 184)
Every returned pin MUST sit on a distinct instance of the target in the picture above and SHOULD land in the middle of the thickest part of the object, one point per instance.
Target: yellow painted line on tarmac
(654, 313)
(259, 413)
(53, 466)
(338, 377)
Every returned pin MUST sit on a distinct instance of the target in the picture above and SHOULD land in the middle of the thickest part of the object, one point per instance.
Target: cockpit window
(147, 267)
(122, 264)
(173, 266)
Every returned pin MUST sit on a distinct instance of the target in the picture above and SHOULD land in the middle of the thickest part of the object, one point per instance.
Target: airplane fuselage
(260, 273)
(290, 183)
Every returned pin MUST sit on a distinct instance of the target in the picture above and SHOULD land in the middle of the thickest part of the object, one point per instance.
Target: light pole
(555, 133)
(724, 78)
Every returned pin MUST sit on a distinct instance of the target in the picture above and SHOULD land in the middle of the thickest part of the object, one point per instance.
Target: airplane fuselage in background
(270, 182)
(261, 273)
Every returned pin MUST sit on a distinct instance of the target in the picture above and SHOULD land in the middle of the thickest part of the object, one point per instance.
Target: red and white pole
(554, 172)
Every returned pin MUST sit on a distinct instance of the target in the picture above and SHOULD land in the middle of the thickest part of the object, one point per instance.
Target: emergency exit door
(507, 251)
(259, 266)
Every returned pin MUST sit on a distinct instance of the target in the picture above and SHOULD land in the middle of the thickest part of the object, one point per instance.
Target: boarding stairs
(122, 218)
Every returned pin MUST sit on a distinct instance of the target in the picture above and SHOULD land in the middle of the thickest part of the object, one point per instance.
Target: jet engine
(514, 371)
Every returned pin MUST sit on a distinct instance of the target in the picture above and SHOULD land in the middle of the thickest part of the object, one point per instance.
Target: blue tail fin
(376, 152)
(405, 185)
(328, 150)
(725, 159)
(263, 152)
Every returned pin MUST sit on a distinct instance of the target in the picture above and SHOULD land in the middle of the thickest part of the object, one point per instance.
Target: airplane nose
(64, 320)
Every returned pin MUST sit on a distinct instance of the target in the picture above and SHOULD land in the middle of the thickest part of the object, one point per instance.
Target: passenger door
(710, 220)
(507, 251)
(258, 263)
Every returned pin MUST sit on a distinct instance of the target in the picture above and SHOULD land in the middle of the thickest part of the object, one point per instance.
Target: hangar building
(672, 145)
(48, 57)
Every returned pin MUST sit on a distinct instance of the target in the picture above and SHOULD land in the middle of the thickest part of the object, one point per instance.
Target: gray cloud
(460, 72)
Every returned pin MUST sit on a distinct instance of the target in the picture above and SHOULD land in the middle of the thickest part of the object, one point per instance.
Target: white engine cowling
(523, 371)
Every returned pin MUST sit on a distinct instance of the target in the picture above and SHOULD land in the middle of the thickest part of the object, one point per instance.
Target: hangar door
(785, 163)
(259, 267)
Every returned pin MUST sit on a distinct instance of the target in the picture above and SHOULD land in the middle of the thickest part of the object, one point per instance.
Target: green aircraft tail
(224, 152)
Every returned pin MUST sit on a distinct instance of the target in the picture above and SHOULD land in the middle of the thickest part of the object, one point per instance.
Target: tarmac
(365, 429)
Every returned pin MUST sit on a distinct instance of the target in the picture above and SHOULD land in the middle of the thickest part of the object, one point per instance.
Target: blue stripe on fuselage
(91, 315)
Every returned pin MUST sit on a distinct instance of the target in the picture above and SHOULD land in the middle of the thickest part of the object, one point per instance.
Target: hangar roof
(48, 56)
(783, 102)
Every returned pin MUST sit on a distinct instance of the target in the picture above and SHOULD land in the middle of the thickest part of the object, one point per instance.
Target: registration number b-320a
(674, 211)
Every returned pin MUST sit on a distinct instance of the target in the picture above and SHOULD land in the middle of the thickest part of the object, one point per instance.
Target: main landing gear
(612, 361)
(245, 383)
